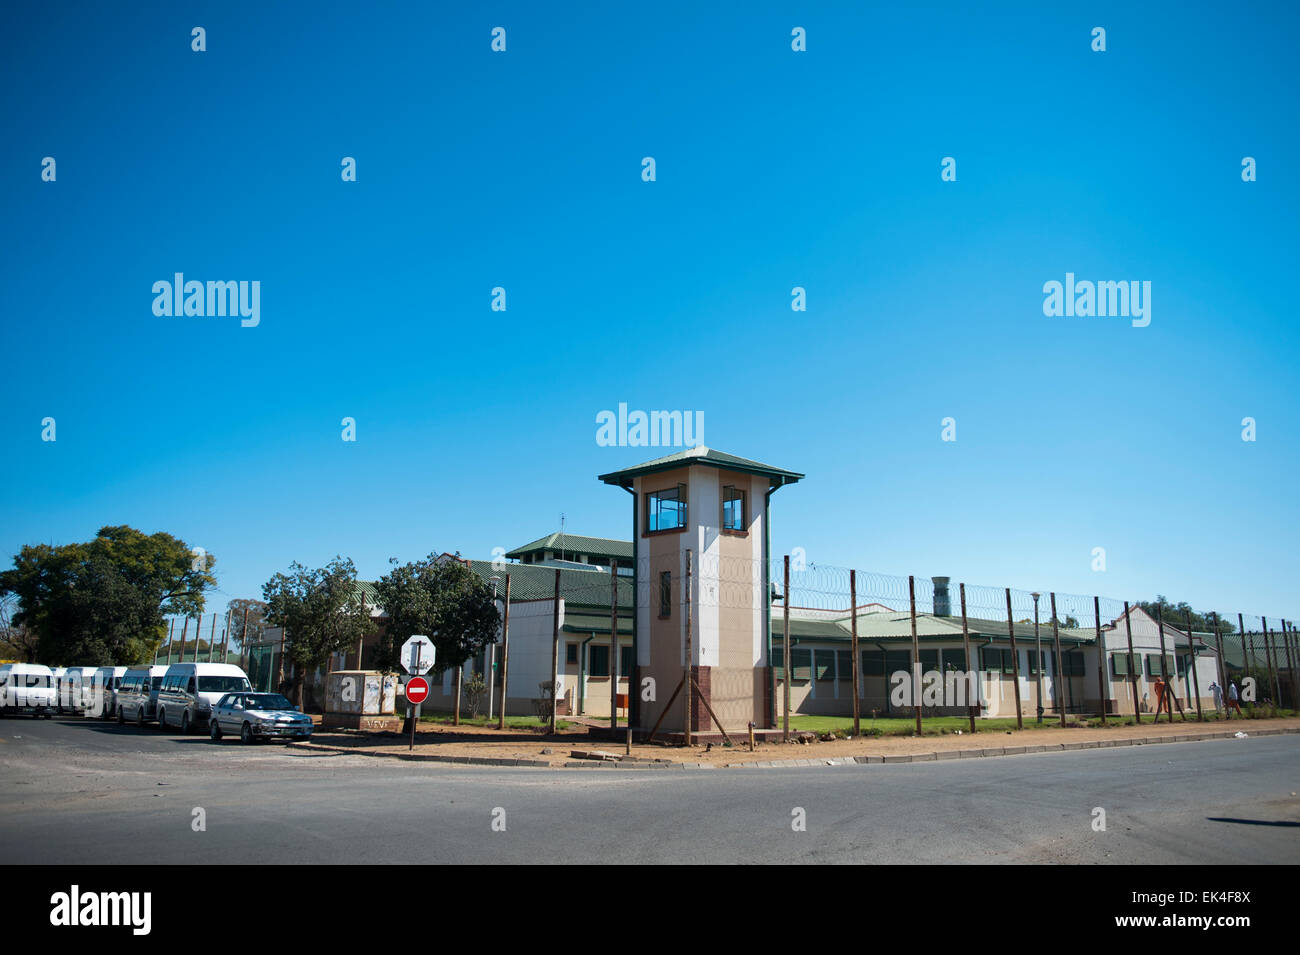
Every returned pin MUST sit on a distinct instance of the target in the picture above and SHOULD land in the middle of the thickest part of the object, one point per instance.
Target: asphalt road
(77, 792)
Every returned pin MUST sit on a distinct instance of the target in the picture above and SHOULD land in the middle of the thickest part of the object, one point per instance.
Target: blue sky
(476, 429)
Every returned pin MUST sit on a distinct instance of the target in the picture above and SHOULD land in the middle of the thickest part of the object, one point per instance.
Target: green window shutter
(597, 660)
(801, 663)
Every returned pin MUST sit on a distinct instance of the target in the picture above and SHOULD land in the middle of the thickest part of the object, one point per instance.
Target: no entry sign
(417, 690)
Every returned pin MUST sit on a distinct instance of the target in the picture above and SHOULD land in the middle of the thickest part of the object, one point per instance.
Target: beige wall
(724, 598)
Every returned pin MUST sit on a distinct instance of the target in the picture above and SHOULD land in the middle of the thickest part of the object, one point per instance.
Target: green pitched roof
(705, 456)
(573, 544)
(896, 627)
(578, 587)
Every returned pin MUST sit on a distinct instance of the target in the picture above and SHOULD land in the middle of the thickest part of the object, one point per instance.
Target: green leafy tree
(103, 602)
(441, 598)
(256, 621)
(321, 612)
(1175, 615)
(17, 643)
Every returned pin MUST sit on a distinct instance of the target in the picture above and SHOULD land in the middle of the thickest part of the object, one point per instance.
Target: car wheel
(121, 717)
(246, 734)
(139, 717)
(162, 718)
(185, 723)
(214, 728)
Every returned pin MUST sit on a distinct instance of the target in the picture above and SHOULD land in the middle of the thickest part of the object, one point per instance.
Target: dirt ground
(485, 742)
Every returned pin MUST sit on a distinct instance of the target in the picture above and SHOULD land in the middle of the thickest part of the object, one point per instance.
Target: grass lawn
(939, 725)
(512, 722)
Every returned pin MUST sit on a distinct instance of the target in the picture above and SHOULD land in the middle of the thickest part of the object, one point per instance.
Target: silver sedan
(257, 716)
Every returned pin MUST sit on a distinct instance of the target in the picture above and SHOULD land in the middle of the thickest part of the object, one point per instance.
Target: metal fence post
(613, 644)
(785, 603)
(965, 639)
(1102, 657)
(1060, 670)
(1132, 673)
(855, 660)
(916, 656)
(1196, 680)
(505, 657)
(1015, 661)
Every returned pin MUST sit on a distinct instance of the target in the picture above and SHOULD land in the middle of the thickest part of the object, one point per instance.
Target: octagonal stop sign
(417, 690)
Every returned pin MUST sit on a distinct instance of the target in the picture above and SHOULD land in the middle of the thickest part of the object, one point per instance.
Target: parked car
(189, 690)
(108, 679)
(257, 716)
(137, 696)
(26, 687)
(76, 689)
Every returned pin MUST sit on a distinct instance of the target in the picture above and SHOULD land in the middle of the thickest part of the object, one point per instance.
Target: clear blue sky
(476, 429)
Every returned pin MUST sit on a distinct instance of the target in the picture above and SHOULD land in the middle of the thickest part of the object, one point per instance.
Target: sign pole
(414, 708)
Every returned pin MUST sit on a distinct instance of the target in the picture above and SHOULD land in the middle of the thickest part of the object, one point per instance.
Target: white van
(58, 679)
(189, 690)
(26, 686)
(137, 694)
(76, 688)
(109, 679)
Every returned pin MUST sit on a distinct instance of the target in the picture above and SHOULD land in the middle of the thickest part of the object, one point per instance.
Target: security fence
(838, 645)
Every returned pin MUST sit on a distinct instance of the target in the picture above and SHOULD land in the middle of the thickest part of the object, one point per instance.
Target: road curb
(802, 763)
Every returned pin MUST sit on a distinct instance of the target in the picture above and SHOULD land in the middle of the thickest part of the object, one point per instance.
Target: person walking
(1217, 692)
(1233, 703)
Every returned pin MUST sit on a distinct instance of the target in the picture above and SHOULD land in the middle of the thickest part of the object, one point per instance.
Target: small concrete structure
(361, 699)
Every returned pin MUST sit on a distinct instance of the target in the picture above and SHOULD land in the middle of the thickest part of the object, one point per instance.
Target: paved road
(73, 791)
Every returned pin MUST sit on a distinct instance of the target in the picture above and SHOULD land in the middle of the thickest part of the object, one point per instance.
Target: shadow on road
(1253, 822)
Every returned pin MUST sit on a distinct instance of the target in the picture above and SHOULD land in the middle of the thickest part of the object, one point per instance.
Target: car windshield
(267, 701)
(222, 684)
(157, 682)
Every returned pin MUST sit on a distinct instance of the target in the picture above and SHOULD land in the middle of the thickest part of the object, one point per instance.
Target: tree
(103, 602)
(443, 599)
(475, 688)
(321, 612)
(16, 642)
(256, 621)
(1175, 615)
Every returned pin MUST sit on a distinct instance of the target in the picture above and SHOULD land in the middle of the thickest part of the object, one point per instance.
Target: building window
(1153, 665)
(801, 662)
(666, 510)
(824, 665)
(625, 661)
(666, 594)
(733, 509)
(1119, 664)
(1072, 663)
(997, 658)
(570, 653)
(598, 660)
